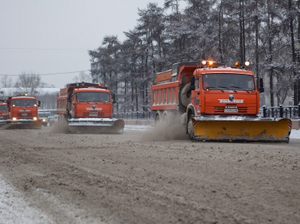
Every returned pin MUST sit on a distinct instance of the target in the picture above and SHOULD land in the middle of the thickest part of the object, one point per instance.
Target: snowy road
(16, 207)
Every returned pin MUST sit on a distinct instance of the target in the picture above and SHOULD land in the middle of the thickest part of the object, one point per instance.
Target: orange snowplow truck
(87, 108)
(215, 102)
(22, 112)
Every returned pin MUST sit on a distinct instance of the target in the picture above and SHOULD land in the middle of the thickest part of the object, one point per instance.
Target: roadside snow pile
(295, 134)
(13, 209)
(137, 127)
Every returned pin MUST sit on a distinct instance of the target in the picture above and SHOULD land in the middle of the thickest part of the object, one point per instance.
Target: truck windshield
(2, 107)
(224, 81)
(24, 102)
(92, 97)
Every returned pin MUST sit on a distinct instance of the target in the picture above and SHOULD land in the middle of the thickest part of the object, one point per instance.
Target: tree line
(27, 80)
(265, 32)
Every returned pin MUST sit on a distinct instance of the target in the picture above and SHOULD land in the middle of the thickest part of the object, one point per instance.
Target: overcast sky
(54, 36)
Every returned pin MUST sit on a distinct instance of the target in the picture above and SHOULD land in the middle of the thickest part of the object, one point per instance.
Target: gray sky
(54, 36)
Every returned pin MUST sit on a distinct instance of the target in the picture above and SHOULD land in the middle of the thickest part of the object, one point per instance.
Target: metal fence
(292, 112)
(144, 115)
(281, 111)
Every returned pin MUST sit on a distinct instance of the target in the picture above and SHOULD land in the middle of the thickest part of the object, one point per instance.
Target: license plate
(93, 114)
(24, 114)
(231, 110)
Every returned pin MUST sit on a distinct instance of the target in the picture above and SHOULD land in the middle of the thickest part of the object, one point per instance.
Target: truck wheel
(185, 95)
(157, 118)
(167, 118)
(190, 129)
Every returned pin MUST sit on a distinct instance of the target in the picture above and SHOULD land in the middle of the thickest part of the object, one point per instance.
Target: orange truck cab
(85, 100)
(87, 105)
(22, 111)
(223, 91)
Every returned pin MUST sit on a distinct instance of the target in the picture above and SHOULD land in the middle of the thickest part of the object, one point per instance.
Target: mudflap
(258, 130)
(112, 126)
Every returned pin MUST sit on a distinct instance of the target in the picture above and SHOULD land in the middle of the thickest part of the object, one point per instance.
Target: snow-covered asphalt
(13, 209)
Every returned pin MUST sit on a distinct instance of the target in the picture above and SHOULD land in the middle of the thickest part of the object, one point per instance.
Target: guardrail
(144, 115)
(292, 112)
(147, 117)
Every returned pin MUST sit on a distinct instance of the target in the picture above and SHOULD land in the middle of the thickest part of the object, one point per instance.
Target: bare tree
(6, 82)
(28, 83)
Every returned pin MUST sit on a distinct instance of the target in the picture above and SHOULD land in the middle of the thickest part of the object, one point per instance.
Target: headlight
(34, 118)
(44, 119)
(14, 118)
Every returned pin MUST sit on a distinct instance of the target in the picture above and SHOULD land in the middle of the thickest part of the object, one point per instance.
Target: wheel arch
(190, 110)
(158, 115)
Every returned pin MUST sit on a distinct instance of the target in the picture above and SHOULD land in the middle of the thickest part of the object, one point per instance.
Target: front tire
(190, 129)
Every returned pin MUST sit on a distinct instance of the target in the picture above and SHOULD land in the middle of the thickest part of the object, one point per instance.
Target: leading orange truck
(215, 102)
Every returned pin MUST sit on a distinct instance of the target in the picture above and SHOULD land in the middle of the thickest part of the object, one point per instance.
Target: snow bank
(295, 134)
(13, 209)
(137, 127)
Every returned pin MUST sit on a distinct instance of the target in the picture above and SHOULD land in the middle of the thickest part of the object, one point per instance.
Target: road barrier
(147, 117)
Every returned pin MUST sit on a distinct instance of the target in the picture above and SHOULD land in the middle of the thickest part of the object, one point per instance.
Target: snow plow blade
(21, 124)
(96, 126)
(237, 129)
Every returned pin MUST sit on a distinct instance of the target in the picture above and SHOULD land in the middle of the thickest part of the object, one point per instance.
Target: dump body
(87, 107)
(215, 103)
(168, 93)
(22, 112)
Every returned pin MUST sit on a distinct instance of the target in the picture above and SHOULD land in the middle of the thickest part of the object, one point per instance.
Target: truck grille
(24, 115)
(92, 114)
(239, 109)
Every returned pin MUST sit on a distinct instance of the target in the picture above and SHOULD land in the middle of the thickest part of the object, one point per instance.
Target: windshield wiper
(221, 88)
(236, 87)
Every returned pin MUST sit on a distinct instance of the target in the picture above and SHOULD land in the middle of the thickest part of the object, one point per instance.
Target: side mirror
(39, 103)
(260, 85)
(113, 96)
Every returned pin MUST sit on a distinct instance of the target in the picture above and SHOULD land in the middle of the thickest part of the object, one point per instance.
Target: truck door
(195, 94)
